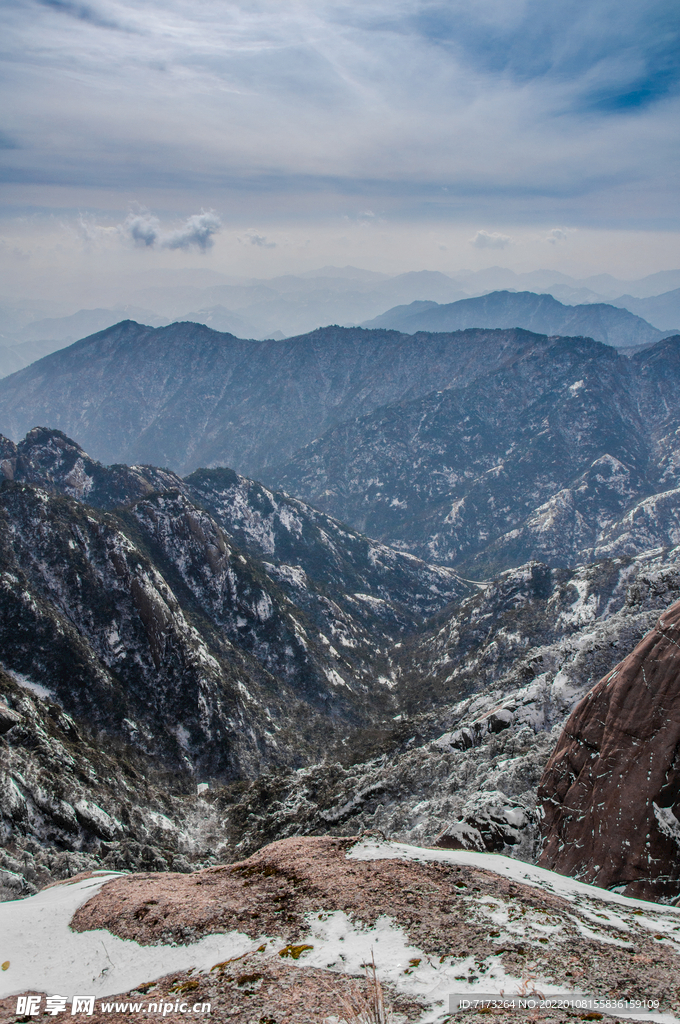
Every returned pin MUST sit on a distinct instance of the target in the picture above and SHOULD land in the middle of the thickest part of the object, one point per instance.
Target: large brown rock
(610, 792)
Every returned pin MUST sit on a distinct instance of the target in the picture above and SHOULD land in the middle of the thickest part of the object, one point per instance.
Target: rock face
(69, 801)
(611, 790)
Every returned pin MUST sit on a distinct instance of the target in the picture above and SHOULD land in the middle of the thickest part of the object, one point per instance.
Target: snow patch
(45, 955)
(519, 871)
(343, 945)
(28, 684)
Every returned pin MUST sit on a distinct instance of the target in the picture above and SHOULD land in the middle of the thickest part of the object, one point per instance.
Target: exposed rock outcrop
(433, 922)
(611, 790)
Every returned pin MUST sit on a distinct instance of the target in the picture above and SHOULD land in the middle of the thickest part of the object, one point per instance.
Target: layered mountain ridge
(566, 453)
(185, 396)
(209, 627)
(543, 314)
(478, 449)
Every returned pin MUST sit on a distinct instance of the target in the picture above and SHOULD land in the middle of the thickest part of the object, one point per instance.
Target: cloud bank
(296, 114)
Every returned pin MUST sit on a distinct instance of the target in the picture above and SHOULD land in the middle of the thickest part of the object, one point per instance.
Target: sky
(275, 136)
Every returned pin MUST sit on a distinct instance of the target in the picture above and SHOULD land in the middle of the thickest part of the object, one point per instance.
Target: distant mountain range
(540, 313)
(185, 396)
(499, 309)
(662, 311)
(478, 448)
(40, 337)
(295, 304)
(278, 307)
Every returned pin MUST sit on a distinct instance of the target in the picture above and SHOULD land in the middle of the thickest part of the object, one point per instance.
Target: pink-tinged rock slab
(611, 790)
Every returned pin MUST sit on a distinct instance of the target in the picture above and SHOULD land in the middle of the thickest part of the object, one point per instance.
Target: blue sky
(290, 118)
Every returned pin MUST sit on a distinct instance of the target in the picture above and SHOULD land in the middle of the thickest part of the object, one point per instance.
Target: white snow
(27, 684)
(369, 599)
(589, 901)
(295, 575)
(45, 955)
(528, 874)
(341, 944)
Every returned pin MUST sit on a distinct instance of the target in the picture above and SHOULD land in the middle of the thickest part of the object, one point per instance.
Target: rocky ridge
(68, 802)
(129, 611)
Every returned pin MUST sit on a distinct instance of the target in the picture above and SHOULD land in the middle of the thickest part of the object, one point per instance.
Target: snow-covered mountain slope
(127, 605)
(485, 698)
(546, 458)
(202, 398)
(291, 929)
(72, 797)
(374, 580)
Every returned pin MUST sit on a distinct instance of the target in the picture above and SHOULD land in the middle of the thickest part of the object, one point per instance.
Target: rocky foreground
(285, 936)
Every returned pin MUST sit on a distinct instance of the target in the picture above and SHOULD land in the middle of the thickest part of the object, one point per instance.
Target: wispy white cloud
(254, 238)
(490, 240)
(506, 110)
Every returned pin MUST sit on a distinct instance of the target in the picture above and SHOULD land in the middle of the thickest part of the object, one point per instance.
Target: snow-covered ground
(519, 871)
(44, 954)
(607, 912)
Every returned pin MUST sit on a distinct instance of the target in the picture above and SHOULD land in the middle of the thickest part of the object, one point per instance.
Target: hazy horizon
(262, 138)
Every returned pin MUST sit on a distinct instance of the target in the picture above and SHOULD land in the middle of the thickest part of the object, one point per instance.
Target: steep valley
(159, 633)
(194, 666)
